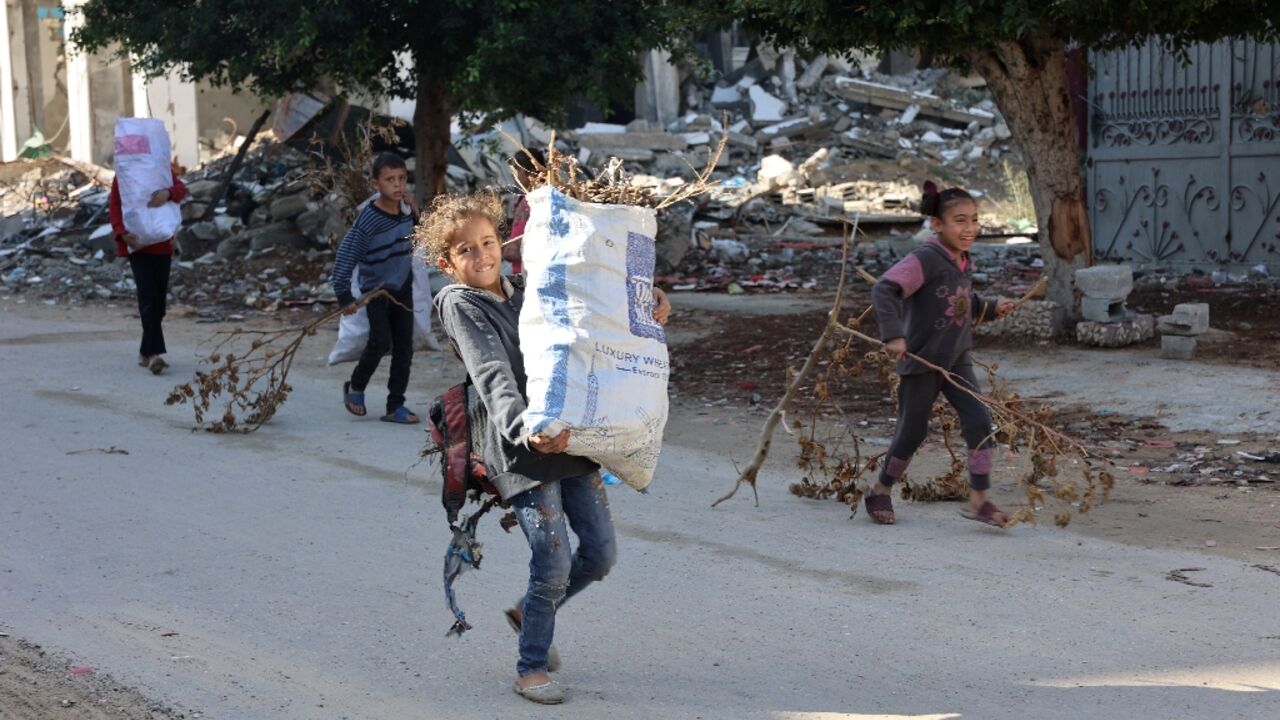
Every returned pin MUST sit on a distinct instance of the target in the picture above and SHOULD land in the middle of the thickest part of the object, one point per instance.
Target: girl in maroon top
(150, 264)
(926, 306)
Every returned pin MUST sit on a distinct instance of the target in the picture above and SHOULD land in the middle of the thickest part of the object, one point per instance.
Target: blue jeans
(555, 572)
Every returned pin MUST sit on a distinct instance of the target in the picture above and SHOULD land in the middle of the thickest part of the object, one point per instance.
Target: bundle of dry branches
(612, 185)
(345, 171)
(253, 380)
(838, 460)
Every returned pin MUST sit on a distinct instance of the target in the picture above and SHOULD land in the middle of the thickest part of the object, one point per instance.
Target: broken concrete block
(203, 190)
(278, 233)
(289, 207)
(104, 239)
(205, 231)
(227, 224)
(723, 97)
(1177, 347)
(1102, 310)
(775, 171)
(765, 107)
(747, 142)
(674, 228)
(1109, 282)
(609, 142)
(321, 224)
(234, 246)
(813, 72)
(1188, 319)
(1119, 334)
(193, 211)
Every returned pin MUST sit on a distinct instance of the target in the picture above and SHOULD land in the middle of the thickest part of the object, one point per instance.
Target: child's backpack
(453, 416)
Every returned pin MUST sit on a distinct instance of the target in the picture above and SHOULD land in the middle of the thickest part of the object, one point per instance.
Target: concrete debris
(1107, 322)
(810, 142)
(1179, 330)
(1188, 319)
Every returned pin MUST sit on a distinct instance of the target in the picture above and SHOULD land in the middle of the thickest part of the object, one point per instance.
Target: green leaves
(496, 56)
(951, 27)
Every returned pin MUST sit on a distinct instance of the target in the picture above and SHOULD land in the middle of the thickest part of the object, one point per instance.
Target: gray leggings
(915, 405)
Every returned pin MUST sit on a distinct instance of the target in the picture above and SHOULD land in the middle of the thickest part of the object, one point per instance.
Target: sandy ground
(294, 573)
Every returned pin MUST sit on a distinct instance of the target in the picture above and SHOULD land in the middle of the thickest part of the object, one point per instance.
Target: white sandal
(548, 693)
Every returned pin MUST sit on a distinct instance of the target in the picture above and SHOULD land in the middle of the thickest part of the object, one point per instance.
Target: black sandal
(880, 502)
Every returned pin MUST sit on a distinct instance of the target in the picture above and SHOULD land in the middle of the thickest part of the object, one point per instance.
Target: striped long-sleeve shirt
(380, 244)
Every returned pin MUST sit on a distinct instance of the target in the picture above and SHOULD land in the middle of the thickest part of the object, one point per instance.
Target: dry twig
(254, 383)
(1017, 427)
(612, 185)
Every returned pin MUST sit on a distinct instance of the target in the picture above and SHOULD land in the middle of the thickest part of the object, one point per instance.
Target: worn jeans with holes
(556, 573)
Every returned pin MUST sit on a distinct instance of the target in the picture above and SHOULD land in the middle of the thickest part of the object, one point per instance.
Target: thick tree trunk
(432, 116)
(1029, 82)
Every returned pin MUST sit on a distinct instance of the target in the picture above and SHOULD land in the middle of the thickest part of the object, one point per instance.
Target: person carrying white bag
(144, 216)
(353, 330)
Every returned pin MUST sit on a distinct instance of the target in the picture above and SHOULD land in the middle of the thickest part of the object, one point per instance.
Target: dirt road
(295, 573)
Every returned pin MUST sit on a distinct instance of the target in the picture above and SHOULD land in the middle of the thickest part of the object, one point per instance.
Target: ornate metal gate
(1184, 158)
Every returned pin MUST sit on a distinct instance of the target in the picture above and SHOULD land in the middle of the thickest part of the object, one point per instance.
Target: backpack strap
(455, 443)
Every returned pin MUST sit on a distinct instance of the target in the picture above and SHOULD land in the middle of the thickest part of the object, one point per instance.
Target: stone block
(1108, 282)
(279, 233)
(289, 207)
(1188, 319)
(608, 142)
(1102, 310)
(203, 190)
(322, 225)
(205, 231)
(193, 211)
(234, 246)
(1177, 347)
(1138, 329)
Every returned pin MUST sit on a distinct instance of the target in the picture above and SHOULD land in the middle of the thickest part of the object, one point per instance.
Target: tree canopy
(497, 56)
(956, 27)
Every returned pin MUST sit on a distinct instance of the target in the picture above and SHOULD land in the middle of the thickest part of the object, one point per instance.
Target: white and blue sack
(595, 359)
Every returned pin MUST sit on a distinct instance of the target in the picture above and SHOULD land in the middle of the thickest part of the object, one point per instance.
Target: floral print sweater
(928, 299)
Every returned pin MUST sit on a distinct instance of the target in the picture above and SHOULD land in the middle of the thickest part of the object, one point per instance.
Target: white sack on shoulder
(142, 167)
(595, 359)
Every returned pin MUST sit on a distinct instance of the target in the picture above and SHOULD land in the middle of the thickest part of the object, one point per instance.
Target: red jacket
(176, 194)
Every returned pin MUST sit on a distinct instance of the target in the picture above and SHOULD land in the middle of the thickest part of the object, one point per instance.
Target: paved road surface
(295, 573)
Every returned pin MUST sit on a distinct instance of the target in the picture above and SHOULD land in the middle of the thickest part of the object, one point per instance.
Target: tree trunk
(1029, 82)
(432, 116)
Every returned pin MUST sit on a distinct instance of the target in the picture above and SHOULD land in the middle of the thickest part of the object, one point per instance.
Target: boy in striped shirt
(379, 244)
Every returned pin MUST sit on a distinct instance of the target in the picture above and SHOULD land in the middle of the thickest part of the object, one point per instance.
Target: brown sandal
(880, 503)
(986, 514)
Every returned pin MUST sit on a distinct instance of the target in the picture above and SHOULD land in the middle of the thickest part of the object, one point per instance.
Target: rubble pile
(267, 242)
(810, 143)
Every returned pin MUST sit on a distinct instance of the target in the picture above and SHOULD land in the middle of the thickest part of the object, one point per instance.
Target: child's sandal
(353, 401)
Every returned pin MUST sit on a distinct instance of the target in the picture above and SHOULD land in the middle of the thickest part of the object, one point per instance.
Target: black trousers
(916, 394)
(390, 330)
(151, 275)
